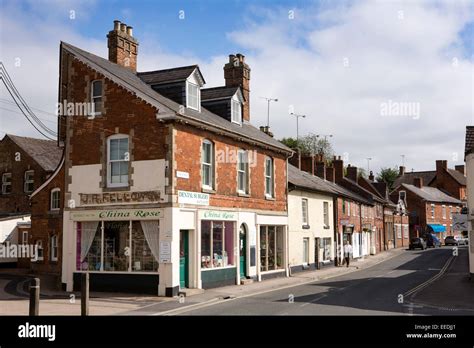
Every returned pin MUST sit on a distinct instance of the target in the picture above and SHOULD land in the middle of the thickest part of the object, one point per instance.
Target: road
(378, 290)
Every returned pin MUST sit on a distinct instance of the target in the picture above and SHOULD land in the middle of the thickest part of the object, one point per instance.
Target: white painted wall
(470, 203)
(315, 222)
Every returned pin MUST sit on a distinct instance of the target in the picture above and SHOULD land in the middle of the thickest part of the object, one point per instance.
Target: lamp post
(268, 108)
(297, 127)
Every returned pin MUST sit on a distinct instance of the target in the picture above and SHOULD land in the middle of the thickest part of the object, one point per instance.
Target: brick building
(162, 194)
(469, 158)
(429, 208)
(25, 163)
(450, 181)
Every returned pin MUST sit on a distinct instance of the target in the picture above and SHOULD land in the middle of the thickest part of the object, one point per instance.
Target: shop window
(6, 183)
(326, 246)
(207, 164)
(217, 244)
(54, 248)
(118, 158)
(120, 253)
(271, 248)
(29, 181)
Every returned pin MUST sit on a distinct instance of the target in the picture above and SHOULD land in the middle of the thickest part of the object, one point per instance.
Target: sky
(384, 78)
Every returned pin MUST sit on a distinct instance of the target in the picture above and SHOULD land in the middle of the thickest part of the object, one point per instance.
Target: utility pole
(268, 108)
(297, 127)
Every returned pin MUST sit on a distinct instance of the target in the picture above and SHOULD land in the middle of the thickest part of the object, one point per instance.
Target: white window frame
(443, 209)
(404, 196)
(29, 181)
(236, 111)
(54, 247)
(6, 183)
(198, 96)
(109, 161)
(52, 199)
(94, 97)
(304, 211)
(24, 237)
(450, 212)
(269, 188)
(210, 185)
(242, 168)
(326, 214)
(432, 211)
(348, 208)
(39, 244)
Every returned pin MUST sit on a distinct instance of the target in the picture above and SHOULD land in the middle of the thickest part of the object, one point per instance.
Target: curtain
(88, 230)
(151, 231)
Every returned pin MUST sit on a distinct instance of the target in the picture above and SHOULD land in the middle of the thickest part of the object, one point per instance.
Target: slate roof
(303, 180)
(218, 93)
(45, 152)
(459, 177)
(167, 75)
(431, 194)
(169, 109)
(409, 178)
(469, 148)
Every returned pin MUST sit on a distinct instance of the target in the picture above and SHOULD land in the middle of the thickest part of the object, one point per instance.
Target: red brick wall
(17, 201)
(45, 223)
(353, 220)
(444, 181)
(187, 142)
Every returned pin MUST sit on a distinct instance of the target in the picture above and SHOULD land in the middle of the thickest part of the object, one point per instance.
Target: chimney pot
(352, 173)
(371, 176)
(129, 30)
(123, 27)
(116, 25)
(123, 47)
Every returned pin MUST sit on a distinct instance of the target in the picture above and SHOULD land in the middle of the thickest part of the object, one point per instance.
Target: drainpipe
(336, 230)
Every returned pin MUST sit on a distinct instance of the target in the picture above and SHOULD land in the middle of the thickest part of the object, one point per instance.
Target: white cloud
(301, 61)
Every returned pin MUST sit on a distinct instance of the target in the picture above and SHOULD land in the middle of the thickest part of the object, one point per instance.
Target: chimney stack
(321, 169)
(371, 176)
(330, 175)
(338, 165)
(352, 173)
(123, 47)
(401, 171)
(461, 169)
(418, 182)
(266, 130)
(237, 74)
(440, 165)
(307, 163)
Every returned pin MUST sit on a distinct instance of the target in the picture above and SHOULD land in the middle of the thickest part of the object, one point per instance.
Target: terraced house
(168, 186)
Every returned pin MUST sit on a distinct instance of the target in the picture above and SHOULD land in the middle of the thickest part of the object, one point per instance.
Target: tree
(388, 175)
(311, 144)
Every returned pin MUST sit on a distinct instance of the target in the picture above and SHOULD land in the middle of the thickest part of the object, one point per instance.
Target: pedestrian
(347, 252)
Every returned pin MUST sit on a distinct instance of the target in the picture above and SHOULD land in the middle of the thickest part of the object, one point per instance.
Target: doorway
(183, 259)
(243, 251)
(317, 242)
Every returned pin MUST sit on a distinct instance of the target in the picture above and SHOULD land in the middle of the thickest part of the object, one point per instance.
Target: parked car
(432, 241)
(462, 240)
(450, 240)
(417, 243)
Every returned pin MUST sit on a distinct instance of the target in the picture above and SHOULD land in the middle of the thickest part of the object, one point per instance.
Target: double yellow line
(431, 280)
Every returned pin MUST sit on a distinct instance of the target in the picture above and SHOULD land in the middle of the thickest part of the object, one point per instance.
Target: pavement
(397, 281)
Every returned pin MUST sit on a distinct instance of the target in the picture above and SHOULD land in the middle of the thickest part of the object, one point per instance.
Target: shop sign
(196, 198)
(182, 175)
(165, 252)
(117, 215)
(119, 197)
(217, 215)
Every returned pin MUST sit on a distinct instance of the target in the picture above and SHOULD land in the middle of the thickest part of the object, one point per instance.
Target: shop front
(119, 248)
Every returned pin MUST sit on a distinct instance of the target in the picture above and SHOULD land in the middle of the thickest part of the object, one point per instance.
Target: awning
(437, 228)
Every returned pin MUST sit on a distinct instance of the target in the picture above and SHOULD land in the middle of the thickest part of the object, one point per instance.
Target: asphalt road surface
(384, 289)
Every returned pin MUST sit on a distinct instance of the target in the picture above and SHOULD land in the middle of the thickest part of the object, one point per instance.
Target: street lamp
(268, 108)
(297, 127)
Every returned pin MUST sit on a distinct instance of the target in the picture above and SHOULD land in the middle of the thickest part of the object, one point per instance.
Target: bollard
(85, 294)
(34, 296)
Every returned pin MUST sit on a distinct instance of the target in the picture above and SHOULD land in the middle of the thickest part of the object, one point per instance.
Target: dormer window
(193, 96)
(236, 107)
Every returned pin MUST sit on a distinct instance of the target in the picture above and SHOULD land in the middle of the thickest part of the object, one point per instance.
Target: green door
(243, 251)
(183, 259)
